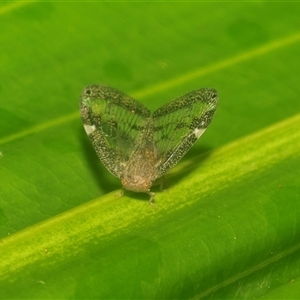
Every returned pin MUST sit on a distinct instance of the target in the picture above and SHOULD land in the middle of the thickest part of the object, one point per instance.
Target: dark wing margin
(113, 121)
(179, 123)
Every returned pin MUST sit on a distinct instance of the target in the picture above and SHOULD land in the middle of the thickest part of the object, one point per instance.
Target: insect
(136, 145)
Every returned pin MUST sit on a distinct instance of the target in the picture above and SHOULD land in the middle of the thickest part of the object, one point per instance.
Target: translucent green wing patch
(113, 121)
(179, 123)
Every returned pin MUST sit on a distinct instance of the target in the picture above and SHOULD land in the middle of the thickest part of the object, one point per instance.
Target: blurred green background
(154, 51)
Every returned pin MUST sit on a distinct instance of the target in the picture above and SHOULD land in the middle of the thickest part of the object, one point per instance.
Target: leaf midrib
(20, 249)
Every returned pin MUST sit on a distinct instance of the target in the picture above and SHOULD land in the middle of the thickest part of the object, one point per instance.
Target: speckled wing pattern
(179, 123)
(113, 121)
(134, 145)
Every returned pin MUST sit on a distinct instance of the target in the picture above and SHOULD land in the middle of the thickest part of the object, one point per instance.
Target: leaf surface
(227, 224)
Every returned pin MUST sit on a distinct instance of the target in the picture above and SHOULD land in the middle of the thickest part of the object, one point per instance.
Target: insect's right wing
(179, 123)
(113, 121)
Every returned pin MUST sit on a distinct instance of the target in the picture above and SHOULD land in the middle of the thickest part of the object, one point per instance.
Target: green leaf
(227, 224)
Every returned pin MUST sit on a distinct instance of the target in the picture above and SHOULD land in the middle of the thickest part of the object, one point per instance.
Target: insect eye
(88, 92)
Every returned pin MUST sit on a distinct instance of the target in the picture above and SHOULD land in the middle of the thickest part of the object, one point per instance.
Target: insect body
(136, 146)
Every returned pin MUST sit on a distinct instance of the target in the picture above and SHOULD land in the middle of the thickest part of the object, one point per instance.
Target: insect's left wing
(113, 121)
(179, 123)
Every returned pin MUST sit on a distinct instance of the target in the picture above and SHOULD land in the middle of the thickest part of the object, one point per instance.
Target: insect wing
(179, 123)
(113, 121)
